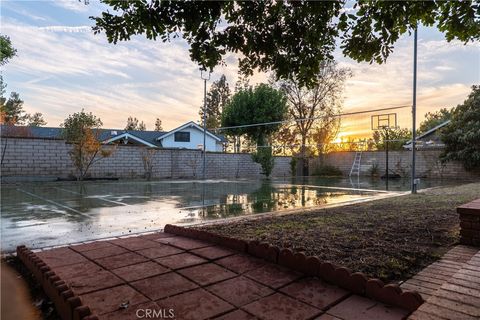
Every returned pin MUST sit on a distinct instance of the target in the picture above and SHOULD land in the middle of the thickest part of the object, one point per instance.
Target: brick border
(68, 305)
(357, 282)
(469, 214)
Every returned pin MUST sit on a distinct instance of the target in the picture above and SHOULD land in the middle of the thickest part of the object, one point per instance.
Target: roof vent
(113, 133)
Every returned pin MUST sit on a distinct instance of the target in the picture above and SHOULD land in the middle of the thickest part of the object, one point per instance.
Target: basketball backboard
(384, 121)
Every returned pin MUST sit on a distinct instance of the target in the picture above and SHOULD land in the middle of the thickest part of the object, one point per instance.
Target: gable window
(182, 136)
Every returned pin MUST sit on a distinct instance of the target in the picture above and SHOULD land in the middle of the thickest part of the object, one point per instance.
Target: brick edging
(357, 282)
(68, 305)
(469, 215)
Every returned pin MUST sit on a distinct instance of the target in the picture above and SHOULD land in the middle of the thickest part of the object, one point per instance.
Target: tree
(36, 120)
(132, 124)
(397, 137)
(462, 135)
(7, 51)
(315, 106)
(289, 37)
(262, 104)
(217, 98)
(433, 119)
(158, 125)
(81, 130)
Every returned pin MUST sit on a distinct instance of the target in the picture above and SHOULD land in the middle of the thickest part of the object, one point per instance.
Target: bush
(327, 171)
(293, 166)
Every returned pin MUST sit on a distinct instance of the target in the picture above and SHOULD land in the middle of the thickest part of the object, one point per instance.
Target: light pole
(204, 149)
(414, 110)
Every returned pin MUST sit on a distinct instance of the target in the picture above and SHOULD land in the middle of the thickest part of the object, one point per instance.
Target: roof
(426, 134)
(108, 135)
(186, 125)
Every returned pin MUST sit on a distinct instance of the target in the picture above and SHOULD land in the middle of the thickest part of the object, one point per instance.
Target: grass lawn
(390, 239)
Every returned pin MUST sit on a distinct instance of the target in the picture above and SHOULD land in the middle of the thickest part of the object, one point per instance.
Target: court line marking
(53, 202)
(74, 192)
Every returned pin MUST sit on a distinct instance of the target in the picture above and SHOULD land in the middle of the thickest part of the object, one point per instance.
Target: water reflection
(41, 214)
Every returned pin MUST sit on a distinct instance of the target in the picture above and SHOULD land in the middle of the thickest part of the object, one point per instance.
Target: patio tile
(163, 286)
(91, 246)
(157, 235)
(109, 300)
(98, 281)
(184, 243)
(239, 291)
(182, 260)
(281, 307)
(196, 305)
(236, 315)
(326, 316)
(136, 243)
(61, 257)
(104, 252)
(315, 292)
(360, 308)
(140, 271)
(159, 250)
(241, 263)
(78, 270)
(135, 312)
(205, 274)
(120, 260)
(273, 275)
(213, 253)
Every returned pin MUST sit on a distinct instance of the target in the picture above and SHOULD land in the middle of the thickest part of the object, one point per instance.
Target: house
(187, 136)
(429, 139)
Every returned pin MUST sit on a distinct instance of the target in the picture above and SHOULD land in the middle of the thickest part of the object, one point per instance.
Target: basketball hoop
(384, 121)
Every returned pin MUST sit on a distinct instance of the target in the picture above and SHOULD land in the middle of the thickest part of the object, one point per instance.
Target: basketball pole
(414, 110)
(204, 153)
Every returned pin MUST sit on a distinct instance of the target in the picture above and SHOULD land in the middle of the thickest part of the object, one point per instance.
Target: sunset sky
(62, 67)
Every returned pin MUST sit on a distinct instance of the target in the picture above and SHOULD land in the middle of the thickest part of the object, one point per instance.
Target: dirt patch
(38, 297)
(391, 239)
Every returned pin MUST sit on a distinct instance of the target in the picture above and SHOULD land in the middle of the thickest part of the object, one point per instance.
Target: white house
(190, 136)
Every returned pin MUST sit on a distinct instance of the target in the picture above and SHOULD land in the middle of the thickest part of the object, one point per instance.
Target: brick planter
(470, 223)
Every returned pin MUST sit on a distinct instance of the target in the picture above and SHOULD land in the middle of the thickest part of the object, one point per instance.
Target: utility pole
(204, 149)
(414, 110)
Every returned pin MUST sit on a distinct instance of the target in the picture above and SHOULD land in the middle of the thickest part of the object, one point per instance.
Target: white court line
(53, 202)
(116, 202)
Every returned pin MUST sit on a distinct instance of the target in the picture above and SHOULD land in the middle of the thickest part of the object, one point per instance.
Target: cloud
(66, 29)
(72, 5)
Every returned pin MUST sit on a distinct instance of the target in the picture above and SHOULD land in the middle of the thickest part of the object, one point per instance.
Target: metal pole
(386, 158)
(414, 110)
(204, 149)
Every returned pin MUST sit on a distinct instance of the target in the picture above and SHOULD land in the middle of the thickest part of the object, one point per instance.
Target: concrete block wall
(428, 164)
(30, 157)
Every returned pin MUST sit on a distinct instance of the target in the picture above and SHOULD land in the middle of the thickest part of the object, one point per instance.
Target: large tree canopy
(288, 37)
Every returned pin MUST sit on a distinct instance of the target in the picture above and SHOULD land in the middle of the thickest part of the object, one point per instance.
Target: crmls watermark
(155, 313)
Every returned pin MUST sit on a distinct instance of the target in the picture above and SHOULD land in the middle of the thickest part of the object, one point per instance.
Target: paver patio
(123, 278)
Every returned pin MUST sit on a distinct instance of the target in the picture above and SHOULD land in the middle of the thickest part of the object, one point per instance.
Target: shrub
(327, 171)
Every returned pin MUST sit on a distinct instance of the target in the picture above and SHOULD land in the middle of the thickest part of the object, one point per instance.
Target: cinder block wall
(30, 157)
(428, 164)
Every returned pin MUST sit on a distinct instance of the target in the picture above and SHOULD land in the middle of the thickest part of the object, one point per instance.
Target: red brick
(207, 273)
(157, 235)
(239, 291)
(315, 292)
(236, 315)
(273, 275)
(179, 261)
(196, 305)
(442, 312)
(109, 300)
(164, 285)
(104, 252)
(326, 316)
(360, 308)
(241, 263)
(158, 251)
(121, 260)
(281, 307)
(456, 305)
(60, 257)
(140, 271)
(184, 243)
(212, 253)
(420, 315)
